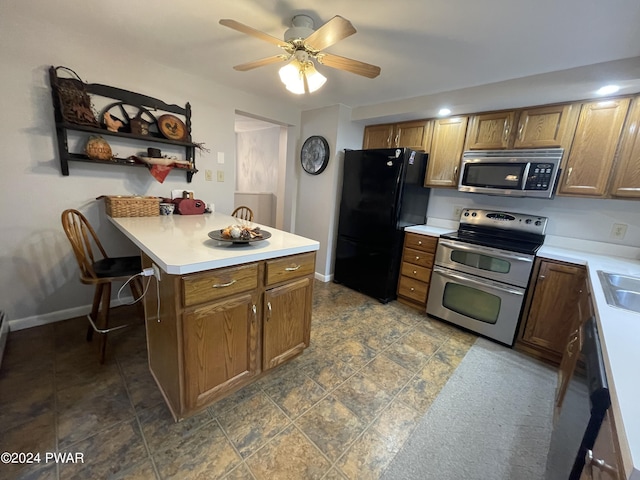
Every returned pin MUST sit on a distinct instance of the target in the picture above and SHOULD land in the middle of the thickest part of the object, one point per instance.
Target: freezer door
(372, 183)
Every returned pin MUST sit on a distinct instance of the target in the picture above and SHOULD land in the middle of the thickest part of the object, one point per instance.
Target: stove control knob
(466, 214)
(538, 223)
(527, 221)
(474, 214)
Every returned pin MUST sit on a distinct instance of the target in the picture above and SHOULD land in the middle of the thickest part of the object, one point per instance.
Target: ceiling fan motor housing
(302, 27)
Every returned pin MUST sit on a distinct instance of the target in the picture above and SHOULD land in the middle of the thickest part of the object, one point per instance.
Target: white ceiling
(423, 47)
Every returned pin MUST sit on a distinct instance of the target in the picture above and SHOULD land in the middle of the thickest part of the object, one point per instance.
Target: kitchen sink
(622, 291)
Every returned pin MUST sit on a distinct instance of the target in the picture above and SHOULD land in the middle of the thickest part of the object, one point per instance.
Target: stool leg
(95, 308)
(103, 322)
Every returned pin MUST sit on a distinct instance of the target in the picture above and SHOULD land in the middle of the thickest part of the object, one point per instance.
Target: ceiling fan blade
(242, 28)
(261, 63)
(348, 64)
(331, 32)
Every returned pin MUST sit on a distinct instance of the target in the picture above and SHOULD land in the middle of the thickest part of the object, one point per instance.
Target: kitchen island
(219, 314)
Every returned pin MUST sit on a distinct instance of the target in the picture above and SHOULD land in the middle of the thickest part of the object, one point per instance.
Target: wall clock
(314, 156)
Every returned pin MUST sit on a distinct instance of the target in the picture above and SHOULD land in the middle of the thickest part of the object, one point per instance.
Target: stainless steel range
(481, 272)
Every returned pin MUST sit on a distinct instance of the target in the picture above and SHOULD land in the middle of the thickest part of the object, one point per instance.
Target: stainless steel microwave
(515, 173)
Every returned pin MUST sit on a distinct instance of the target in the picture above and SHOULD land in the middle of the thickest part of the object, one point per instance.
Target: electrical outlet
(220, 175)
(457, 211)
(618, 230)
(208, 175)
(156, 271)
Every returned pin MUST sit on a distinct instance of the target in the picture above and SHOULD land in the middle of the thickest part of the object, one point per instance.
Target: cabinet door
(592, 152)
(626, 182)
(545, 127)
(553, 308)
(606, 463)
(446, 152)
(414, 135)
(490, 131)
(287, 321)
(378, 136)
(573, 346)
(220, 345)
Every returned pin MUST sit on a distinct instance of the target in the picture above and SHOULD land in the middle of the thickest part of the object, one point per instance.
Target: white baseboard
(38, 320)
(324, 278)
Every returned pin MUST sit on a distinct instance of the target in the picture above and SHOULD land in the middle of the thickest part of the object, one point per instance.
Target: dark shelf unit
(129, 98)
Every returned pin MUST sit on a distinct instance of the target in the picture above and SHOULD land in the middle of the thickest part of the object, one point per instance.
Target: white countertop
(180, 244)
(619, 331)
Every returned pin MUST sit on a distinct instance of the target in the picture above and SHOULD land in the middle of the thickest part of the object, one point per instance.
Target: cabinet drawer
(417, 257)
(413, 289)
(286, 268)
(420, 242)
(414, 271)
(214, 284)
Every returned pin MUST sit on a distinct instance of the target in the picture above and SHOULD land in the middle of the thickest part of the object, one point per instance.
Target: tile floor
(341, 410)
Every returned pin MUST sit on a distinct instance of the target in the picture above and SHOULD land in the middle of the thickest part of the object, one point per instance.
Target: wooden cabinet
(445, 152)
(626, 180)
(573, 346)
(604, 461)
(589, 163)
(540, 127)
(216, 331)
(490, 131)
(415, 135)
(415, 272)
(550, 309)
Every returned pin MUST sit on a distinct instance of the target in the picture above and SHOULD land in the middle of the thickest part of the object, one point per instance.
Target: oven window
(494, 175)
(482, 262)
(471, 302)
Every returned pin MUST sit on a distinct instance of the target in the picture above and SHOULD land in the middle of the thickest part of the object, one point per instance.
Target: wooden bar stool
(97, 268)
(243, 213)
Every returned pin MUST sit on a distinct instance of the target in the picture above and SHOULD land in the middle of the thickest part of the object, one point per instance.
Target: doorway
(260, 168)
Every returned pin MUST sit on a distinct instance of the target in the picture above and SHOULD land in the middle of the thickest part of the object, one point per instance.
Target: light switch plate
(221, 158)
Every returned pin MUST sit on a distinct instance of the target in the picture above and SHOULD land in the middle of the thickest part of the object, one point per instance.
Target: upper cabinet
(490, 131)
(588, 166)
(626, 180)
(415, 135)
(542, 127)
(445, 152)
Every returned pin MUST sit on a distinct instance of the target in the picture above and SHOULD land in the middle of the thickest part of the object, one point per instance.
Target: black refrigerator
(382, 193)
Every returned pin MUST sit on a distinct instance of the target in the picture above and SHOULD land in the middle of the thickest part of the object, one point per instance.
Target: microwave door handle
(525, 175)
(482, 283)
(477, 248)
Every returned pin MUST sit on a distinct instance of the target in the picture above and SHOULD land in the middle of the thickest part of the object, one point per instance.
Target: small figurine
(113, 124)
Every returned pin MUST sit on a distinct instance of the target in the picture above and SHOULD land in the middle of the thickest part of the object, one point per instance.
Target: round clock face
(314, 155)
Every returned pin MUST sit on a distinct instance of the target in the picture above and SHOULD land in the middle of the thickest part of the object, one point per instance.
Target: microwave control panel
(539, 177)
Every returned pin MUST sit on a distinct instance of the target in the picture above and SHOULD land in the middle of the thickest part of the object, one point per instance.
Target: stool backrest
(243, 213)
(84, 241)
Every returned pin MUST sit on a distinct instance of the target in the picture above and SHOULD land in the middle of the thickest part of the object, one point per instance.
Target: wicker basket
(118, 206)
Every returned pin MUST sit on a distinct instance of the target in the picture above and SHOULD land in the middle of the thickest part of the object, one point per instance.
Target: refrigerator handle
(396, 208)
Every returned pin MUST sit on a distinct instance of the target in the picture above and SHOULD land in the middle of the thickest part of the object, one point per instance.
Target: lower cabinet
(213, 332)
(415, 272)
(550, 309)
(604, 461)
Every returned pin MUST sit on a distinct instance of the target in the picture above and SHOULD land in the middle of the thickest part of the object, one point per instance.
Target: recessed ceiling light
(444, 111)
(608, 89)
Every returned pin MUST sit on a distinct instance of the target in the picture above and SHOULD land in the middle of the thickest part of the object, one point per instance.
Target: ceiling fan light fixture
(294, 73)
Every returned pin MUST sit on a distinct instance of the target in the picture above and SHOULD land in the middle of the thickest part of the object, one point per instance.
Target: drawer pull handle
(255, 312)
(417, 258)
(222, 285)
(415, 273)
(292, 269)
(419, 242)
(412, 289)
(269, 308)
(601, 465)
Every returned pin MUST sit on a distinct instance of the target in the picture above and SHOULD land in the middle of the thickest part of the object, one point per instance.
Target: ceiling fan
(301, 45)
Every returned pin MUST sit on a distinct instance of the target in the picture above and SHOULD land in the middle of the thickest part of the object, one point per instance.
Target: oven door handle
(482, 283)
(479, 248)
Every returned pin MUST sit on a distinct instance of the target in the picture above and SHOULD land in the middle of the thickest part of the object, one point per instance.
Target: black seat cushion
(118, 266)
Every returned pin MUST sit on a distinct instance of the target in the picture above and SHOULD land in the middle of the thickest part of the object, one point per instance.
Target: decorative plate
(172, 127)
(216, 235)
(314, 155)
